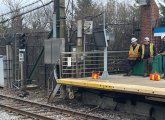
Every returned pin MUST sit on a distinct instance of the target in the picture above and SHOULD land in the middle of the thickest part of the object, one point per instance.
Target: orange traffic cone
(155, 76)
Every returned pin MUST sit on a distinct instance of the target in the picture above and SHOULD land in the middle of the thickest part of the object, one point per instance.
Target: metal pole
(105, 59)
(54, 26)
(79, 44)
(54, 19)
(15, 60)
(54, 31)
(7, 59)
(57, 11)
(105, 73)
(22, 78)
(105, 49)
(77, 73)
(104, 21)
(84, 53)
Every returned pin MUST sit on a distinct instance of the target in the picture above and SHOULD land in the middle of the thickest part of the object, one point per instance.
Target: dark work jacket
(147, 51)
(162, 49)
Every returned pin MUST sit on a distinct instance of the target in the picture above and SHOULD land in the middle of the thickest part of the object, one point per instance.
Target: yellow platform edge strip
(113, 86)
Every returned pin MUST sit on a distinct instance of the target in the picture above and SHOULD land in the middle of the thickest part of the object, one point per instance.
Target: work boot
(145, 75)
(127, 74)
(130, 73)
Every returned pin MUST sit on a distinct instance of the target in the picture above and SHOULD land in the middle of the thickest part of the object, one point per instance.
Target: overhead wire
(20, 8)
(26, 12)
(44, 8)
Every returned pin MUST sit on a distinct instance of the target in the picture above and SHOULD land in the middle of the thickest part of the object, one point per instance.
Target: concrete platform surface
(132, 84)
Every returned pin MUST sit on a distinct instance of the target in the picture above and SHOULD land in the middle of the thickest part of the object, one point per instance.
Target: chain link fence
(34, 46)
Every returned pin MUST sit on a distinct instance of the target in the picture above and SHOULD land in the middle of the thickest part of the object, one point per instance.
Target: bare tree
(39, 20)
(3, 26)
(121, 17)
(14, 6)
(86, 9)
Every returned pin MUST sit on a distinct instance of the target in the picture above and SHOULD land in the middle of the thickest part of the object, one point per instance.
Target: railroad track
(42, 111)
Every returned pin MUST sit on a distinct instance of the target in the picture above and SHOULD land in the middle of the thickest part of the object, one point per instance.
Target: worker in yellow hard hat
(162, 51)
(133, 56)
(148, 52)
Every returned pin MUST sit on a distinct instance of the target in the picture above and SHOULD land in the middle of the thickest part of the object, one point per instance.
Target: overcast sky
(3, 8)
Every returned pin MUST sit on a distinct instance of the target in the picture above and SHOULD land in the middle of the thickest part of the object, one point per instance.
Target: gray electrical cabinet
(53, 49)
(3, 71)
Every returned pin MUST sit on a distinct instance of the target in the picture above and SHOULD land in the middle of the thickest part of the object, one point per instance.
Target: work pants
(131, 64)
(147, 65)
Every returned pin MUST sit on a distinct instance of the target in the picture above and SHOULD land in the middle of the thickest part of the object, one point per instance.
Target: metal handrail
(94, 52)
(94, 61)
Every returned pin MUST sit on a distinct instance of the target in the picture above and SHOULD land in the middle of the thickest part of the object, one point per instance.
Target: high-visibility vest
(151, 50)
(134, 53)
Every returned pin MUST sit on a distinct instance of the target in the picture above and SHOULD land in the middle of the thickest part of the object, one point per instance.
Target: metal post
(55, 19)
(79, 45)
(57, 11)
(77, 73)
(53, 94)
(105, 74)
(84, 55)
(8, 65)
(105, 59)
(79, 35)
(54, 31)
(22, 77)
(54, 25)
(15, 60)
(104, 20)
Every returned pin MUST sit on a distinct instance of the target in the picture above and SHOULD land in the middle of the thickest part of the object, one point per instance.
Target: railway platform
(120, 83)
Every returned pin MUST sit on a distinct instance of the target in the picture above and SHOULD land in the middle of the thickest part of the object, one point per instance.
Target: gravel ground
(41, 96)
(6, 115)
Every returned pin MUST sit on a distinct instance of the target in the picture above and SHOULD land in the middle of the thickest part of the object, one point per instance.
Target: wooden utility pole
(62, 19)
(59, 10)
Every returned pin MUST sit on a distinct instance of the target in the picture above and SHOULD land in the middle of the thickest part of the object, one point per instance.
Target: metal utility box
(100, 39)
(53, 49)
(103, 37)
(3, 73)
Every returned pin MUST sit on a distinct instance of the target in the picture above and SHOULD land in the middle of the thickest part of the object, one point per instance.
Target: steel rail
(26, 113)
(57, 109)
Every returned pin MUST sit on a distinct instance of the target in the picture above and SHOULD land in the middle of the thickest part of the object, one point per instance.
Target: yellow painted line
(85, 83)
(105, 85)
